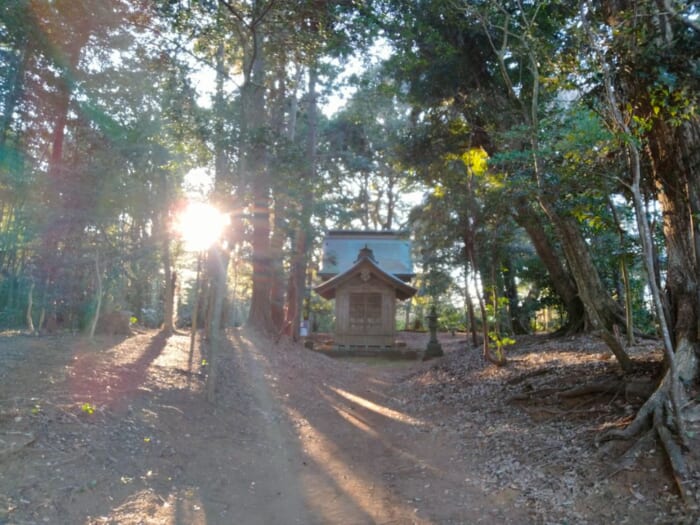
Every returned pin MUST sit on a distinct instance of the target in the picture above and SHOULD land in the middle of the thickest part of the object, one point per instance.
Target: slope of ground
(118, 431)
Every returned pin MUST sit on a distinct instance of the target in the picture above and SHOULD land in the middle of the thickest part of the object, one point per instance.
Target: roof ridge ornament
(366, 253)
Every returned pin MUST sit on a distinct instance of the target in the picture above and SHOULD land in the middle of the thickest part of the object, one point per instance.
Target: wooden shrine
(365, 285)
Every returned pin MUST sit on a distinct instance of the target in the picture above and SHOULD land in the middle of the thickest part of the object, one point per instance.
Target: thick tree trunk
(260, 312)
(221, 175)
(562, 281)
(255, 118)
(602, 312)
(283, 206)
(218, 261)
(277, 249)
(675, 154)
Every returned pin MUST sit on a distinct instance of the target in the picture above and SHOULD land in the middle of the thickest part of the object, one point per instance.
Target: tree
(657, 116)
(103, 125)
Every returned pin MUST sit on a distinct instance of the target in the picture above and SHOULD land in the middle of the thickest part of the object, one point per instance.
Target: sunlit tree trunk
(98, 297)
(257, 174)
(218, 263)
(283, 206)
(169, 289)
(222, 198)
(30, 303)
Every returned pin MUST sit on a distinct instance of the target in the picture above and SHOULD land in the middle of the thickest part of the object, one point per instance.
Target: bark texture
(562, 281)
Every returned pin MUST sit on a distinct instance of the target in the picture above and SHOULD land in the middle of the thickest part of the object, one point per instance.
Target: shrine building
(366, 272)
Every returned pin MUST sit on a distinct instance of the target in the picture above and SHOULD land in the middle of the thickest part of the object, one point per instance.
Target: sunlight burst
(200, 225)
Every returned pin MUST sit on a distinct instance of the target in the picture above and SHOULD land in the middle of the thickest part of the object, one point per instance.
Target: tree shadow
(113, 386)
(347, 443)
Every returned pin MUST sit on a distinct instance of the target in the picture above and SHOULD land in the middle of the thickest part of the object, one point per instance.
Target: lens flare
(200, 225)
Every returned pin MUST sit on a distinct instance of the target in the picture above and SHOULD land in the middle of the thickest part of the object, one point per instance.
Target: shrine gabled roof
(365, 266)
(392, 253)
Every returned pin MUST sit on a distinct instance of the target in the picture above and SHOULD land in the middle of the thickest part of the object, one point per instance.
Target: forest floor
(118, 431)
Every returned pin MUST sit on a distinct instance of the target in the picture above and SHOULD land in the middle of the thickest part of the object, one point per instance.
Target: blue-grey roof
(366, 262)
(392, 253)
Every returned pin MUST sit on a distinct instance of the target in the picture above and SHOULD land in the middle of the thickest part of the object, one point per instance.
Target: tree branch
(675, 14)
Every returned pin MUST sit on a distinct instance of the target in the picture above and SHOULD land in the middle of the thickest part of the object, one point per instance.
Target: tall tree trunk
(58, 183)
(98, 297)
(221, 186)
(676, 161)
(470, 307)
(218, 262)
(674, 155)
(195, 311)
(222, 195)
(277, 313)
(562, 281)
(30, 301)
(603, 313)
(624, 273)
(296, 290)
(255, 163)
(283, 206)
(169, 289)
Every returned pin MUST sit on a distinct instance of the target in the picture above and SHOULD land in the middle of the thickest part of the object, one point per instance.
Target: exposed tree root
(653, 414)
(630, 456)
(613, 386)
(639, 389)
(527, 396)
(675, 456)
(523, 377)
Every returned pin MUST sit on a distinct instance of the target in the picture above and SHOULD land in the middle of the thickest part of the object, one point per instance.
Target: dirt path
(121, 434)
(117, 431)
(366, 460)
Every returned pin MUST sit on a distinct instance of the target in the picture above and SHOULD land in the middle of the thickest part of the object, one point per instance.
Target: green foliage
(501, 342)
(451, 318)
(322, 314)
